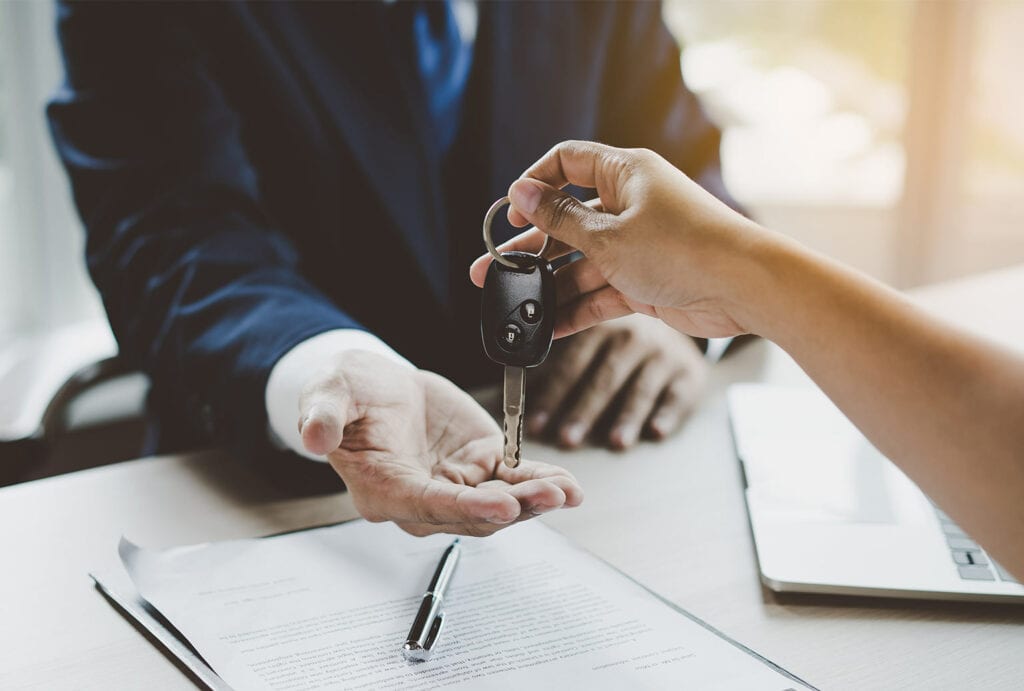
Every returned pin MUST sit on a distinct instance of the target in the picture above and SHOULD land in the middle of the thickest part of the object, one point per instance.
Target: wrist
(290, 374)
(763, 289)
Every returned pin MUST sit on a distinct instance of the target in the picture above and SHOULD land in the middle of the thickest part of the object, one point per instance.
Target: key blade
(515, 390)
(515, 393)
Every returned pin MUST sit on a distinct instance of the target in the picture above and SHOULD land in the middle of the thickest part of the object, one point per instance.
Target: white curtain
(51, 320)
(43, 281)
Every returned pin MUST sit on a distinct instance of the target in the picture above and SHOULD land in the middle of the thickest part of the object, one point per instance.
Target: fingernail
(314, 411)
(625, 435)
(541, 510)
(537, 422)
(661, 426)
(525, 195)
(500, 520)
(572, 434)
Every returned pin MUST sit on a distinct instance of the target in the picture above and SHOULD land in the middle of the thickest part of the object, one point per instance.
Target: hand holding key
(415, 449)
(615, 383)
(627, 240)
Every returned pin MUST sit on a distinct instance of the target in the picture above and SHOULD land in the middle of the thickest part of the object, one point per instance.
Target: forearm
(213, 345)
(945, 406)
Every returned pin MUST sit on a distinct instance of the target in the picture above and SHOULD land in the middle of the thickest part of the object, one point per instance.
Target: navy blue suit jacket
(250, 175)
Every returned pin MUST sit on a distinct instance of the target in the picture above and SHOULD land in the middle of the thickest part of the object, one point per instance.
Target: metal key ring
(489, 243)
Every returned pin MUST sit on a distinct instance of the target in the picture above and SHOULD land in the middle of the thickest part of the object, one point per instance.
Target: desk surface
(670, 514)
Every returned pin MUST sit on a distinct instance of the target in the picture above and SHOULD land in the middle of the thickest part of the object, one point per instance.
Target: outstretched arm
(201, 288)
(206, 293)
(944, 405)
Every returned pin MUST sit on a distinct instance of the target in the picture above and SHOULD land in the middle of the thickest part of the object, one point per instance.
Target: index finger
(534, 470)
(518, 220)
(413, 499)
(571, 162)
(530, 241)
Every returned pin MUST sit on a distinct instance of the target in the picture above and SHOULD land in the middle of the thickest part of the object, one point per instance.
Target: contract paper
(329, 608)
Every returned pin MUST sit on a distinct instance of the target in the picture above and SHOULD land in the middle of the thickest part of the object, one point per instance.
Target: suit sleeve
(645, 101)
(200, 289)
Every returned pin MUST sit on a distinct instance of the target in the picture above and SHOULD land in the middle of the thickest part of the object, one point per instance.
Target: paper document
(330, 608)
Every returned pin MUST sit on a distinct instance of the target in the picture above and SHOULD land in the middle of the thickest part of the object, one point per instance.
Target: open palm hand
(415, 449)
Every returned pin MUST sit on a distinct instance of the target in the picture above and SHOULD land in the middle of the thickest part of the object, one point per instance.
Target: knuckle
(608, 376)
(623, 160)
(623, 338)
(311, 389)
(602, 238)
(561, 208)
(603, 310)
(415, 529)
(574, 146)
(646, 388)
(477, 530)
(596, 310)
(679, 392)
(660, 361)
(604, 378)
(573, 320)
(424, 507)
(324, 383)
(636, 159)
(368, 511)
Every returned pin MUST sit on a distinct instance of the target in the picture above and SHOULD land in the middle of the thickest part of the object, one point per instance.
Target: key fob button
(530, 311)
(511, 336)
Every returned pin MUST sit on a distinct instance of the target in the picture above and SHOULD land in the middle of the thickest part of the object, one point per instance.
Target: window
(812, 111)
(991, 189)
(43, 282)
(51, 321)
(883, 132)
(6, 185)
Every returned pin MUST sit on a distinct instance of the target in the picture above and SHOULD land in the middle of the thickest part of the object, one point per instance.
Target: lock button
(530, 311)
(511, 336)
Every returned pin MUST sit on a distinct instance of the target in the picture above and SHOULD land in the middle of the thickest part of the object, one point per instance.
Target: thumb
(322, 424)
(555, 212)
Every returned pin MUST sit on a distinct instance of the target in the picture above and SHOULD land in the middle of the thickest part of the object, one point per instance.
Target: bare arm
(945, 406)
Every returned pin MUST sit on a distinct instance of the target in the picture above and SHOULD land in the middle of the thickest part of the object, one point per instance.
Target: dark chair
(74, 435)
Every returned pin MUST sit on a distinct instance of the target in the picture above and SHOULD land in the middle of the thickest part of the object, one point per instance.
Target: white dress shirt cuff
(716, 348)
(290, 373)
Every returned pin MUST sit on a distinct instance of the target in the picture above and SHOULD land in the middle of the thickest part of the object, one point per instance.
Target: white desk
(670, 514)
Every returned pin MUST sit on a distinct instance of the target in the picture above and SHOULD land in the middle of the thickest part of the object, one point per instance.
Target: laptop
(830, 514)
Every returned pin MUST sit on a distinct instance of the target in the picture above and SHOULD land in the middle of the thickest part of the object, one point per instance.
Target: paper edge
(130, 605)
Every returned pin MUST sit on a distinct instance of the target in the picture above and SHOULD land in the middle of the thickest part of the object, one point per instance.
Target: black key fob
(517, 310)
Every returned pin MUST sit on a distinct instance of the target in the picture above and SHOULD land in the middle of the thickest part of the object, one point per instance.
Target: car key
(516, 326)
(517, 322)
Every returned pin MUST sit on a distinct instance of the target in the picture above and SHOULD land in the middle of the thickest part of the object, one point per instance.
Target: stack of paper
(329, 608)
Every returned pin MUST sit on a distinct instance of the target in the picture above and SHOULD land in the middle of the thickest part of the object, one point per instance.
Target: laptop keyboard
(970, 559)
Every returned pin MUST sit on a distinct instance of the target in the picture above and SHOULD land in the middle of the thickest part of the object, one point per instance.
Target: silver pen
(426, 627)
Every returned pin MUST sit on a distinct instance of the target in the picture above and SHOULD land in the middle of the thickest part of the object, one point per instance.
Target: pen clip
(435, 631)
(418, 653)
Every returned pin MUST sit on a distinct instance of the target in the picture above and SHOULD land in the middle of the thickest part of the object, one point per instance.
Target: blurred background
(888, 134)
